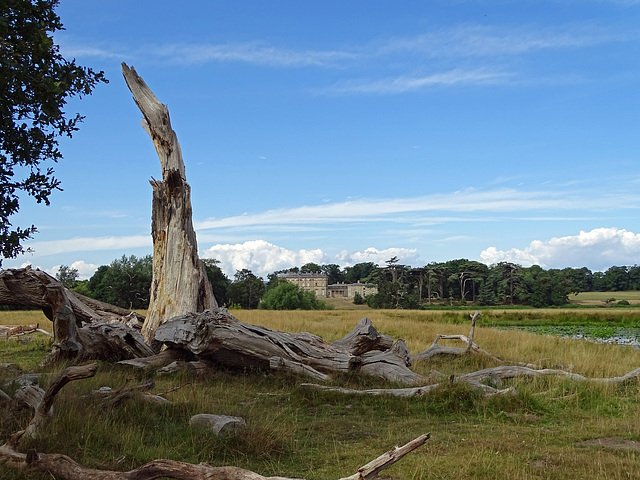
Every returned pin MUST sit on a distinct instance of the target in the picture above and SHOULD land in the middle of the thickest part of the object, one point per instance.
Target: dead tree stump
(180, 284)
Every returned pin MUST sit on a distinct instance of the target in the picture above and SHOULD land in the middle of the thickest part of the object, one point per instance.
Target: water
(599, 334)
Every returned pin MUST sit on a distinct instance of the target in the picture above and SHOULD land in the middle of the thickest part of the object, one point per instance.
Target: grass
(602, 298)
(299, 432)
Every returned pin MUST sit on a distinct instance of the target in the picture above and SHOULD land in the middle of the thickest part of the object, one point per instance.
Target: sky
(352, 131)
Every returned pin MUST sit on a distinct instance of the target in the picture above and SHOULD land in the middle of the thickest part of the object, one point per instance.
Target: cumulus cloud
(263, 258)
(597, 249)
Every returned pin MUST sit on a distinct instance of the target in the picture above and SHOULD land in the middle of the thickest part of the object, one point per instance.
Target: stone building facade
(349, 290)
(314, 282)
(319, 284)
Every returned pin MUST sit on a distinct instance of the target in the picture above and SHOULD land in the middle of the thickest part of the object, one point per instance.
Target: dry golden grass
(419, 329)
(600, 298)
(25, 317)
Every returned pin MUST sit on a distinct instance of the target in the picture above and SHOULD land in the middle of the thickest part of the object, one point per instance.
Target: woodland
(125, 282)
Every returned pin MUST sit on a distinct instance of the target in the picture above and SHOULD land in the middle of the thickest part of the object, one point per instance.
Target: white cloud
(85, 244)
(259, 53)
(263, 258)
(466, 201)
(404, 84)
(597, 249)
(483, 41)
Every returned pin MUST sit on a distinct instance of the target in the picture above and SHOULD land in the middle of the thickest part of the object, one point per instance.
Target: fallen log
(8, 331)
(364, 338)
(403, 392)
(216, 335)
(65, 467)
(95, 341)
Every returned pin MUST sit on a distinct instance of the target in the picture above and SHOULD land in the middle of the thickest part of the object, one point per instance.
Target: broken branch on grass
(43, 411)
(475, 379)
(435, 350)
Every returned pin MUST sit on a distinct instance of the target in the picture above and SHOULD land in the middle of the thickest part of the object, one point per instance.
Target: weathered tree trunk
(180, 283)
(363, 339)
(217, 336)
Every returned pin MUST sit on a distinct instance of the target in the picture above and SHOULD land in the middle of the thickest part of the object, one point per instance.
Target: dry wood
(297, 368)
(475, 379)
(44, 409)
(218, 424)
(7, 331)
(216, 335)
(30, 395)
(505, 372)
(158, 360)
(101, 341)
(403, 392)
(64, 467)
(439, 350)
(371, 469)
(180, 284)
(364, 338)
(197, 368)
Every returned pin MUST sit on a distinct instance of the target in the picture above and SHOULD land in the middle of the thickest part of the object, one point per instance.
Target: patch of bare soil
(616, 443)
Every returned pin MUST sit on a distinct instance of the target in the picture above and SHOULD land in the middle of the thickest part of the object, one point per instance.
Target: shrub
(288, 296)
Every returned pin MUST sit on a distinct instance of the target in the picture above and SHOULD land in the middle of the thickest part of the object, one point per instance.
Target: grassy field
(603, 298)
(550, 429)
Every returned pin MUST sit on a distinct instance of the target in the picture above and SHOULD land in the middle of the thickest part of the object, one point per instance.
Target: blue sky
(350, 131)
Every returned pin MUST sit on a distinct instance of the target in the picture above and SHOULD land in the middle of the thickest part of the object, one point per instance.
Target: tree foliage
(67, 275)
(360, 272)
(219, 281)
(288, 296)
(35, 83)
(124, 282)
(246, 290)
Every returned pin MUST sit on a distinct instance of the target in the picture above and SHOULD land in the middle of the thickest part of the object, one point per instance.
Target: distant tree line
(126, 281)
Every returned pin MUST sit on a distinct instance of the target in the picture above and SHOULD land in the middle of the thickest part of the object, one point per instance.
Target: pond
(596, 333)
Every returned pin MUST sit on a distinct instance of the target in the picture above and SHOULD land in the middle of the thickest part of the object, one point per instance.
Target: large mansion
(319, 284)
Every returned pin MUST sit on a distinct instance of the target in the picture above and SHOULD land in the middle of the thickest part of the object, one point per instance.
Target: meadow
(551, 428)
(599, 298)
